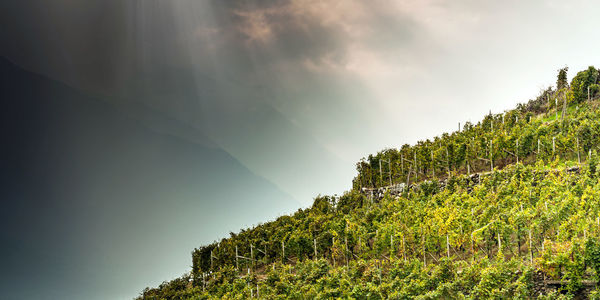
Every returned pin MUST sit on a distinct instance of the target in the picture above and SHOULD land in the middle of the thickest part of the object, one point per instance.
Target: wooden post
(448, 161)
(472, 244)
(346, 249)
(499, 244)
(415, 166)
(252, 254)
(447, 245)
(578, 158)
(543, 240)
(491, 156)
(332, 256)
(403, 249)
(390, 167)
(517, 151)
(211, 260)
(553, 145)
(402, 163)
(283, 251)
(237, 266)
(432, 165)
(380, 173)
(562, 118)
(391, 244)
(556, 107)
(530, 248)
(424, 258)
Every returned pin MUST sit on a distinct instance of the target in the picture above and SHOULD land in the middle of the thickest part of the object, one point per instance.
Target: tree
(581, 82)
(561, 81)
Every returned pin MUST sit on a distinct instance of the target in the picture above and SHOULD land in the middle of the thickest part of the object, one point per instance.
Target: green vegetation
(531, 223)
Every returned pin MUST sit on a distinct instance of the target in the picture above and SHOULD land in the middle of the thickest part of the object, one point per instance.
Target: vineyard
(505, 208)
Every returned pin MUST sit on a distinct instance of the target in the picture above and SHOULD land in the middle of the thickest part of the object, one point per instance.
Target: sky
(297, 91)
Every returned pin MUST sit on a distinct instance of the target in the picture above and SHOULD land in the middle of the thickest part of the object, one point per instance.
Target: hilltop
(505, 208)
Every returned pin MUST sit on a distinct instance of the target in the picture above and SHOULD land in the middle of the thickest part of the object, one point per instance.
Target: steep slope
(96, 205)
(517, 233)
(525, 225)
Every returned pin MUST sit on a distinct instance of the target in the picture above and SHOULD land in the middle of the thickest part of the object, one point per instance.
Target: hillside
(505, 208)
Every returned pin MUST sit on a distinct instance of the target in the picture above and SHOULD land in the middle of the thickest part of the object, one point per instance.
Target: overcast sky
(299, 90)
(350, 77)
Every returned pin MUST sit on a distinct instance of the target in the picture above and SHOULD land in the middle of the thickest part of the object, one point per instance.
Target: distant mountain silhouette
(86, 190)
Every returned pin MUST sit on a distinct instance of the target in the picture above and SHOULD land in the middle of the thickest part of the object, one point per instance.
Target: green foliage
(561, 81)
(592, 255)
(593, 164)
(447, 234)
(581, 82)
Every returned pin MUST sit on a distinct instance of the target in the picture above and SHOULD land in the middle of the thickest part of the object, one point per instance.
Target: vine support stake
(391, 244)
(252, 254)
(432, 166)
(468, 168)
(472, 245)
(447, 246)
(499, 244)
(448, 161)
(402, 163)
(556, 107)
(517, 151)
(403, 249)
(578, 158)
(530, 249)
(237, 266)
(359, 243)
(491, 156)
(416, 174)
(424, 257)
(380, 173)
(283, 251)
(346, 249)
